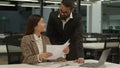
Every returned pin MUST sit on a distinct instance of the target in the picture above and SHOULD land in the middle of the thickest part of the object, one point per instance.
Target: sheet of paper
(56, 50)
(69, 64)
(49, 64)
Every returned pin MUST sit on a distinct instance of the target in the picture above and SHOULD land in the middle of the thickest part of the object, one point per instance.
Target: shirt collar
(71, 16)
(36, 37)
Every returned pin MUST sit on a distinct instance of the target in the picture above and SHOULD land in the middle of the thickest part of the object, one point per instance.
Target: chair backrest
(112, 43)
(13, 40)
(1, 41)
(13, 48)
(93, 37)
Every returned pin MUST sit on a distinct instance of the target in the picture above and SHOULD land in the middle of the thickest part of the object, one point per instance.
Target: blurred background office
(100, 19)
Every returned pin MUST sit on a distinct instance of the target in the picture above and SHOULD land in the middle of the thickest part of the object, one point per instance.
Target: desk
(57, 65)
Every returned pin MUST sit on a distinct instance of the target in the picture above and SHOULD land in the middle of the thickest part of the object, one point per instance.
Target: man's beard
(64, 17)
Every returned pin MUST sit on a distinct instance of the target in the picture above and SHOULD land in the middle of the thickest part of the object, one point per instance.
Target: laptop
(102, 60)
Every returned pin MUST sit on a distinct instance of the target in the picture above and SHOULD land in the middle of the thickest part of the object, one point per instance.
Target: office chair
(93, 39)
(13, 48)
(114, 45)
(1, 41)
(119, 54)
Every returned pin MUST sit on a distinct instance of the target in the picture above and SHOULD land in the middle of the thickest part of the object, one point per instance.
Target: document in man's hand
(56, 50)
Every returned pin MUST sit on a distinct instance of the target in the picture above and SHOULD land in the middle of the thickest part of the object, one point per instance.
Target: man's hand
(80, 60)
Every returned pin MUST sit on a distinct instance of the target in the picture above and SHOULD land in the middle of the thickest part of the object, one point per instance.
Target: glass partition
(111, 17)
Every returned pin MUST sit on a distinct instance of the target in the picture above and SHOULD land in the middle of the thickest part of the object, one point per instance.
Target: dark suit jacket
(30, 49)
(72, 31)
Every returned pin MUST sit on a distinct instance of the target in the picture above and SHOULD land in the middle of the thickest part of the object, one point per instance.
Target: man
(64, 25)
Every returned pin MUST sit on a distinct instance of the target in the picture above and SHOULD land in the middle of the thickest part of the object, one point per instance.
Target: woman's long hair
(32, 23)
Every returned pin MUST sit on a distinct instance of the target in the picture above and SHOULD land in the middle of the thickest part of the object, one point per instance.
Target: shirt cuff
(39, 59)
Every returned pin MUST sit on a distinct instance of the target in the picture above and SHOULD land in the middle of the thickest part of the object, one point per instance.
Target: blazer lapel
(35, 47)
(59, 23)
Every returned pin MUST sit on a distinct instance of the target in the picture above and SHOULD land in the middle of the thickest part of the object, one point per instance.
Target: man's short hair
(68, 3)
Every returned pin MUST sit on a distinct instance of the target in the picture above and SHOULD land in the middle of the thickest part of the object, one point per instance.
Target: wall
(94, 18)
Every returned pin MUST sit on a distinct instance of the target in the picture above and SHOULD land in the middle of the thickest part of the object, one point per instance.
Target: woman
(33, 44)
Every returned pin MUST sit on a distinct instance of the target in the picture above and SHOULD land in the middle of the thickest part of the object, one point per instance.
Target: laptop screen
(104, 56)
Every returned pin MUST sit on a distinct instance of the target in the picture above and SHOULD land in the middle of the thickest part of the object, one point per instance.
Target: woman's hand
(45, 55)
(66, 50)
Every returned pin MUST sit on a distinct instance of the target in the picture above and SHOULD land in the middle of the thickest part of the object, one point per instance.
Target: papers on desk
(70, 64)
(56, 50)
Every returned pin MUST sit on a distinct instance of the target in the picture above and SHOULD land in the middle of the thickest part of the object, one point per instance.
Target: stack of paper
(56, 50)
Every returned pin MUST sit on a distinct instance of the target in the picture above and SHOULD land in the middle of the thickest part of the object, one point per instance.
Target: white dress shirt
(39, 43)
